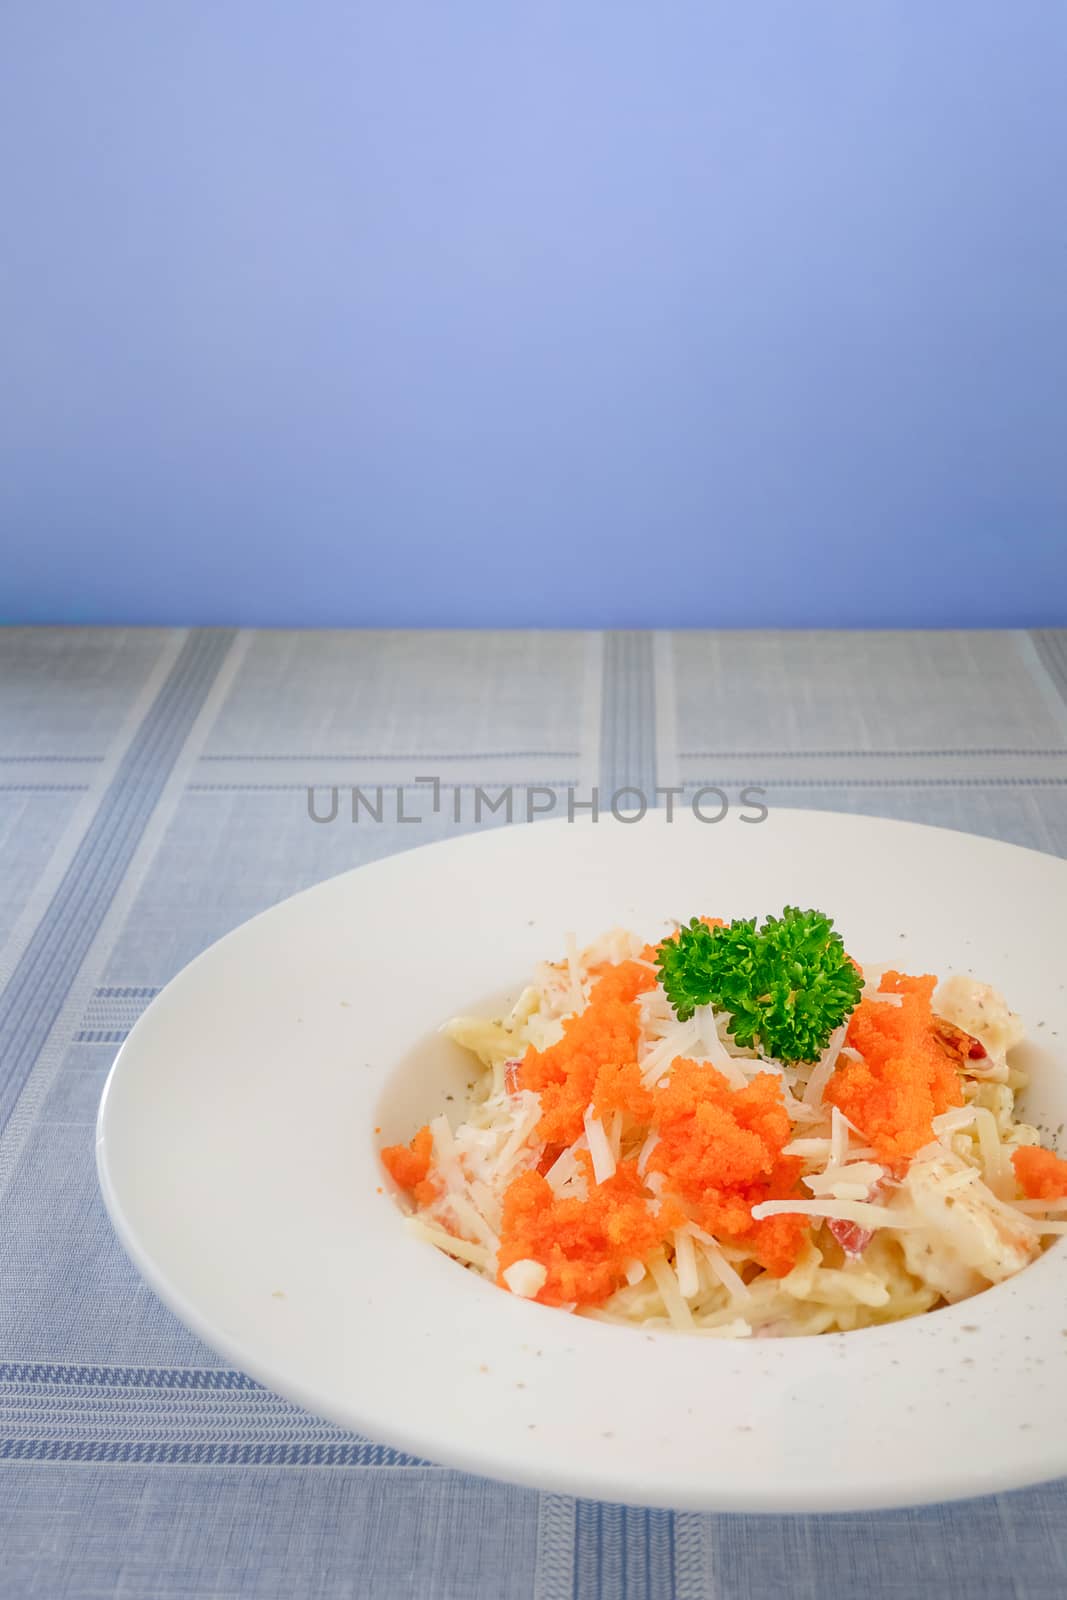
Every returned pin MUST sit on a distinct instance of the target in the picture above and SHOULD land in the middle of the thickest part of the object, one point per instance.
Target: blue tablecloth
(153, 794)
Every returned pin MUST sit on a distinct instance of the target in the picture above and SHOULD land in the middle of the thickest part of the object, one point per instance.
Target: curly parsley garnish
(785, 986)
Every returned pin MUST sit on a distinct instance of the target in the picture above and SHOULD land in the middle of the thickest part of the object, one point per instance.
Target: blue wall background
(566, 312)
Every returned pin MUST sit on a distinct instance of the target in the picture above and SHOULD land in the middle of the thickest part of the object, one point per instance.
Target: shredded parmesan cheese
(727, 1275)
(675, 1043)
(446, 1156)
(853, 1181)
(565, 1166)
(525, 1278)
(461, 1248)
(615, 1135)
(574, 972)
(525, 1123)
(715, 1051)
(952, 1121)
(685, 1263)
(667, 1284)
(824, 1069)
(861, 1211)
(995, 1163)
(651, 1141)
(470, 1218)
(599, 1147)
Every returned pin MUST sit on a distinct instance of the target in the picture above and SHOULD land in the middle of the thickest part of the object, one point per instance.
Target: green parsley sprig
(785, 986)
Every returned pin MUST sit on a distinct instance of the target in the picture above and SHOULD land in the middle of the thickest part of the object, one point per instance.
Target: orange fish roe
(603, 1035)
(618, 1087)
(1041, 1175)
(623, 982)
(776, 1242)
(585, 1245)
(409, 1165)
(720, 1150)
(906, 1077)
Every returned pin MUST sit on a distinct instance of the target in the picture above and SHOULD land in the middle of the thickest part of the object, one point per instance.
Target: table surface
(153, 795)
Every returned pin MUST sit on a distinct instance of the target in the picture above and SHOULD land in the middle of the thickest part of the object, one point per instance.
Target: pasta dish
(738, 1131)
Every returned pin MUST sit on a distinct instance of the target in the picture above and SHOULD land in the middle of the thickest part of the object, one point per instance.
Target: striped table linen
(153, 795)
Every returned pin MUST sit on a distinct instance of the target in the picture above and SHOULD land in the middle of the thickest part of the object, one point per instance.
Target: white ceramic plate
(237, 1156)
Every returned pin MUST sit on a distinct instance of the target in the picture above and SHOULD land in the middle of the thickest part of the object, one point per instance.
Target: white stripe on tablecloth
(554, 1572)
(592, 695)
(1042, 678)
(694, 1575)
(69, 1019)
(45, 889)
(666, 712)
(33, 996)
(628, 719)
